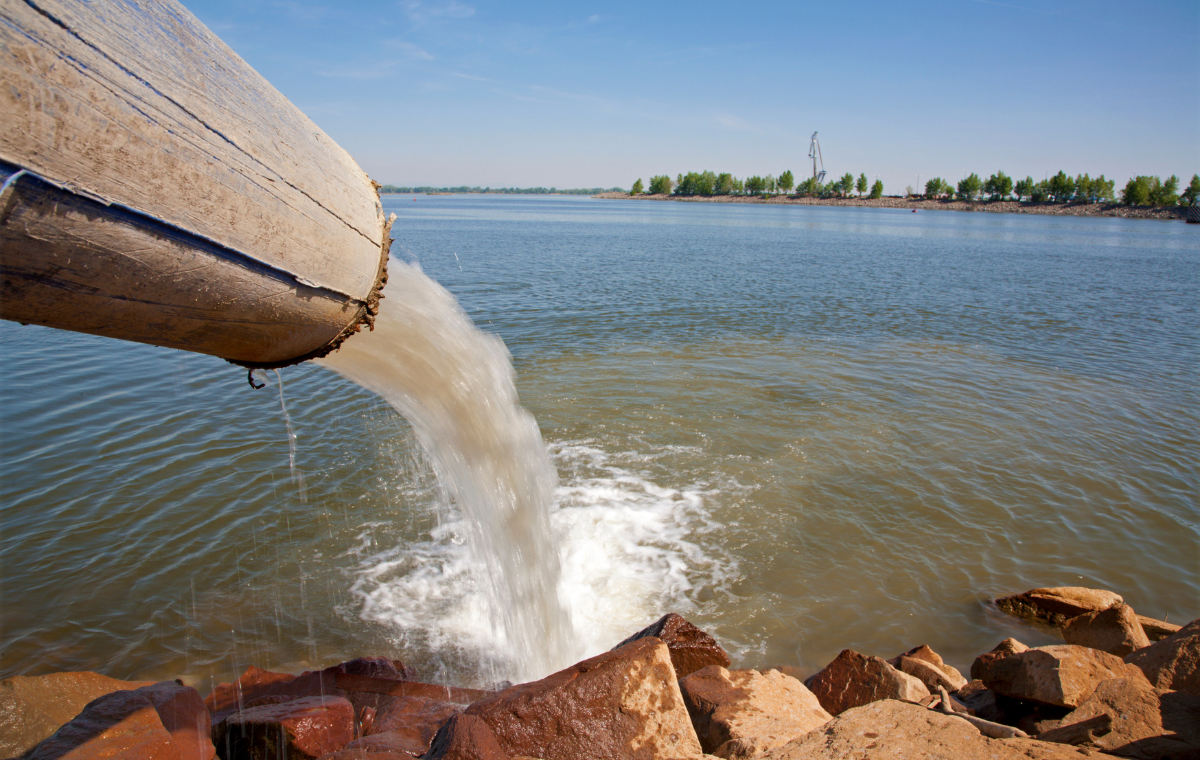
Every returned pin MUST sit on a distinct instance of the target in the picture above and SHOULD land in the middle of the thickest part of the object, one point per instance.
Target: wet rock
(691, 648)
(1115, 630)
(894, 730)
(407, 724)
(1005, 648)
(853, 679)
(296, 729)
(368, 754)
(927, 666)
(34, 707)
(376, 667)
(742, 713)
(1147, 723)
(1156, 630)
(256, 685)
(1057, 605)
(1174, 662)
(1063, 675)
(621, 704)
(163, 720)
(466, 737)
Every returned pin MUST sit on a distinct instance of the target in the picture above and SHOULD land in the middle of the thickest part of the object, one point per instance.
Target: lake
(804, 428)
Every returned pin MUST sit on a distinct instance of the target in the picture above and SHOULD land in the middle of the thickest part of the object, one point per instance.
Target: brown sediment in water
(922, 204)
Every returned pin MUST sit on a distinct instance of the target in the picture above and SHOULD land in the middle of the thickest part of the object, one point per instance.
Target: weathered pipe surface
(157, 189)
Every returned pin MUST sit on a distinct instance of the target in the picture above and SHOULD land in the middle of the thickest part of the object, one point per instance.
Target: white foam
(629, 553)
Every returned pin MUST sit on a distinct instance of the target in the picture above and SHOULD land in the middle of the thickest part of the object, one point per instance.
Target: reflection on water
(803, 428)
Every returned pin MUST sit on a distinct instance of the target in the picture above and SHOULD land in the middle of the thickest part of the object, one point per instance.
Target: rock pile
(667, 693)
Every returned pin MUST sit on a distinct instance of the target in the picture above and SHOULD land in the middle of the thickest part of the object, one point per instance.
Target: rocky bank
(999, 207)
(1121, 685)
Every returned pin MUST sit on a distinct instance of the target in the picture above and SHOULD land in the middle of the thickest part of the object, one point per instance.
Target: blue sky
(452, 92)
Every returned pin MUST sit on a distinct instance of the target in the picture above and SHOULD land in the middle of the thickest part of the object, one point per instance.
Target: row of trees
(709, 183)
(1139, 191)
(1061, 188)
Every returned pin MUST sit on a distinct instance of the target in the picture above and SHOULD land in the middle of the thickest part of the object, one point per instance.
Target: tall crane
(814, 152)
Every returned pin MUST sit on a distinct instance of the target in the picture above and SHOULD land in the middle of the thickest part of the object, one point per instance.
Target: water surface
(804, 428)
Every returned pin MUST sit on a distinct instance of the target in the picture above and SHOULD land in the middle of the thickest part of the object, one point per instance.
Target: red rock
(1174, 662)
(1003, 649)
(743, 713)
(691, 648)
(1063, 675)
(982, 701)
(368, 754)
(1147, 723)
(621, 704)
(407, 724)
(853, 679)
(1057, 605)
(945, 675)
(164, 720)
(894, 730)
(1115, 630)
(34, 707)
(308, 727)
(376, 667)
(465, 737)
(1156, 630)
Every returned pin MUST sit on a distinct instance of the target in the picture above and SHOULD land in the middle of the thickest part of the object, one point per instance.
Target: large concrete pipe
(157, 189)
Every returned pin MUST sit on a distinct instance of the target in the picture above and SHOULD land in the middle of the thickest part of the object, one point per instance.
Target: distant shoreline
(996, 207)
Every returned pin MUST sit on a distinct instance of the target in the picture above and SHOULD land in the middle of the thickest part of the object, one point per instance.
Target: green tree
(861, 185)
(739, 186)
(935, 187)
(637, 188)
(1165, 193)
(755, 184)
(772, 183)
(1192, 192)
(1102, 189)
(1137, 191)
(998, 186)
(969, 188)
(877, 189)
(786, 181)
(1061, 187)
(661, 185)
(724, 184)
(846, 184)
(1023, 188)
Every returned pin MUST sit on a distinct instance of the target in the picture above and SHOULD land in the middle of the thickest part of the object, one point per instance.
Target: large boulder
(854, 679)
(927, 666)
(1005, 648)
(1174, 662)
(691, 648)
(743, 713)
(294, 729)
(163, 720)
(1115, 630)
(621, 704)
(1063, 675)
(894, 730)
(1147, 723)
(1057, 605)
(34, 707)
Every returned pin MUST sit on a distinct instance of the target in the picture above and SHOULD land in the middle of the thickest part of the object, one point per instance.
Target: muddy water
(803, 428)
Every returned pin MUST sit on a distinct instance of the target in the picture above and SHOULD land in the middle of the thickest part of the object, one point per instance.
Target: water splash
(455, 385)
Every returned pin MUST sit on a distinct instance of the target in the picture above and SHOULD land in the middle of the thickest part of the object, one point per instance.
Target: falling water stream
(455, 385)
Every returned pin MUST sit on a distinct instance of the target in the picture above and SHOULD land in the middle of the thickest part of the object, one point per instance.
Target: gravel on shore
(1000, 207)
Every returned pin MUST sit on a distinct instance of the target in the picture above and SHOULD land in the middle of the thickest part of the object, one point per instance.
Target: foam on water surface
(627, 550)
